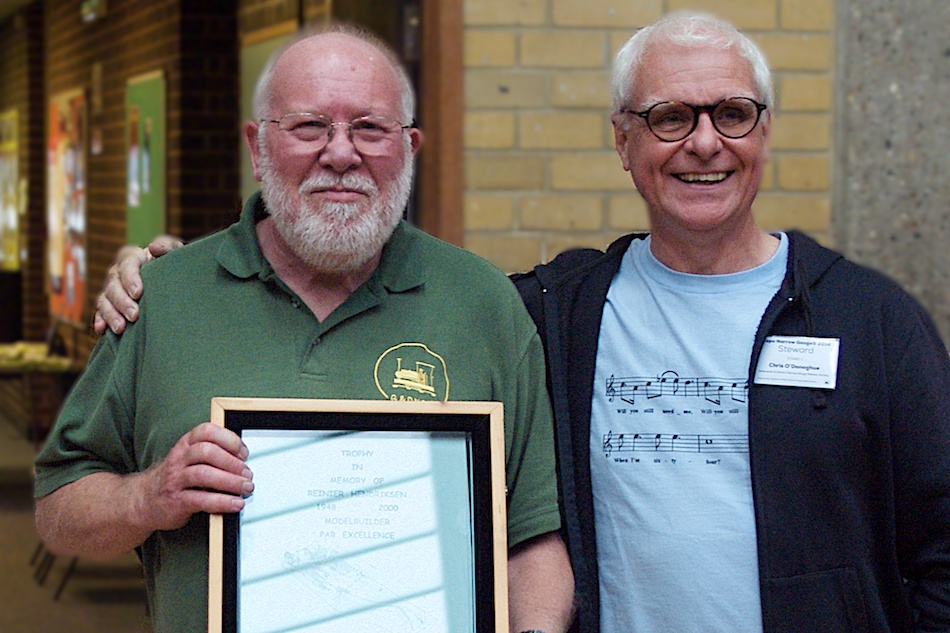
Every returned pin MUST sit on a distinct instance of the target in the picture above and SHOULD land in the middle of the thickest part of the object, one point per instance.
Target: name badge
(798, 361)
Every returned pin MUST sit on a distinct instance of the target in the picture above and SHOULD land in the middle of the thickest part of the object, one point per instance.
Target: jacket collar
(808, 262)
(574, 265)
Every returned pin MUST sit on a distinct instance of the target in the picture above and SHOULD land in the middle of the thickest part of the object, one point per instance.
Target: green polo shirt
(216, 321)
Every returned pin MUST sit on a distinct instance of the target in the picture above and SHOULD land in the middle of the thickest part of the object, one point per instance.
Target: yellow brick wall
(541, 174)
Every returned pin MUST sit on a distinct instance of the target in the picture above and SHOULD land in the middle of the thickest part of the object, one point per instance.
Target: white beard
(335, 237)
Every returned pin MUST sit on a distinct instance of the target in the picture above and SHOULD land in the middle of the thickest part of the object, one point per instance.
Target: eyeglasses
(672, 121)
(369, 134)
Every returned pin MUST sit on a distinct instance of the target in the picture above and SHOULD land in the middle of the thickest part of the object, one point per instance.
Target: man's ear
(621, 135)
(766, 129)
(251, 131)
(416, 137)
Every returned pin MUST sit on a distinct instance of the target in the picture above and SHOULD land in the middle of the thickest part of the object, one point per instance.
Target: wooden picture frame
(366, 515)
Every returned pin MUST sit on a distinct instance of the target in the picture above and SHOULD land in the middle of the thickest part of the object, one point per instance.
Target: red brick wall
(46, 49)
(21, 87)
(21, 73)
(194, 44)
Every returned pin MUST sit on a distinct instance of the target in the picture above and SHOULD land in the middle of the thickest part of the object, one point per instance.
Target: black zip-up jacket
(851, 486)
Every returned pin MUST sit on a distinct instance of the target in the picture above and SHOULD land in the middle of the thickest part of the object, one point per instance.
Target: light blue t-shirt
(676, 540)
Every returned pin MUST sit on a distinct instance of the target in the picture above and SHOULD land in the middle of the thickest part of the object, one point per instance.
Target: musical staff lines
(669, 383)
(674, 443)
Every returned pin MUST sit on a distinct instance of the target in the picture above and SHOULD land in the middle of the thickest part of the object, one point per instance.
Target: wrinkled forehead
(693, 73)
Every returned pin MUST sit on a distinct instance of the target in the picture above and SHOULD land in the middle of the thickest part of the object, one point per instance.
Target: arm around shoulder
(117, 304)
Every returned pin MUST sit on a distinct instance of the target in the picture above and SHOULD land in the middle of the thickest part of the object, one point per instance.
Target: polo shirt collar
(239, 252)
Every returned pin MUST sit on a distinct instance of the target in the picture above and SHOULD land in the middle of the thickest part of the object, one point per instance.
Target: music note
(740, 391)
(712, 392)
(633, 392)
(673, 379)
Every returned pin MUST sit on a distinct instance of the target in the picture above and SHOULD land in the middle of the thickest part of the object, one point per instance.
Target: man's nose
(705, 140)
(340, 154)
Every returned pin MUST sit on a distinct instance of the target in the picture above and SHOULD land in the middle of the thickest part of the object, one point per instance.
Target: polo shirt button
(295, 303)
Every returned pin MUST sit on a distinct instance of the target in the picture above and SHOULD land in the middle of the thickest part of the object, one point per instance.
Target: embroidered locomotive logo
(411, 371)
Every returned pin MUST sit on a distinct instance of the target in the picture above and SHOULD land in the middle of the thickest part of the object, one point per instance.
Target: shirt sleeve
(92, 432)
(530, 469)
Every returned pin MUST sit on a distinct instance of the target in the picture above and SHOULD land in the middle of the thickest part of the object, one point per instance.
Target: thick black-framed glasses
(673, 121)
(369, 134)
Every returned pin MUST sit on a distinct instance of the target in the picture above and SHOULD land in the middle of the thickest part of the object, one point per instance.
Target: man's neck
(322, 292)
(713, 252)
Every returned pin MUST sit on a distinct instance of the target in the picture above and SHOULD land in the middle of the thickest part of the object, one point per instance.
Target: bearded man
(305, 296)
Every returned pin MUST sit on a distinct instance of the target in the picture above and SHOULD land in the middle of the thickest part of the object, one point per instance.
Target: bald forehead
(330, 53)
(333, 70)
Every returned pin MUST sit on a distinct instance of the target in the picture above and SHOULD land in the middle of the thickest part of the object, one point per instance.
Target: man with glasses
(318, 291)
(758, 428)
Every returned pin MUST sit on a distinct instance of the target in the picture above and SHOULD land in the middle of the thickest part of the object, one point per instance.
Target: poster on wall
(145, 157)
(9, 175)
(66, 205)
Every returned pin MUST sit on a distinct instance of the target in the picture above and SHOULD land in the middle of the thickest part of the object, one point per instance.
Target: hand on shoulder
(117, 304)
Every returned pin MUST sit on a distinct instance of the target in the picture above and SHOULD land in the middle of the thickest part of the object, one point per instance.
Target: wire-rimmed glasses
(370, 135)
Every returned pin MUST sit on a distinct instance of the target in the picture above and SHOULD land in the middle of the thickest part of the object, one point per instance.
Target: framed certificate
(366, 516)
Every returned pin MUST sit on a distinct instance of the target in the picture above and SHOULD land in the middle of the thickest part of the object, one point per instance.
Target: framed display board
(366, 516)
(145, 157)
(10, 203)
(66, 205)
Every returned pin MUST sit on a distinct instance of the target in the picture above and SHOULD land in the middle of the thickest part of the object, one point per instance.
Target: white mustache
(351, 182)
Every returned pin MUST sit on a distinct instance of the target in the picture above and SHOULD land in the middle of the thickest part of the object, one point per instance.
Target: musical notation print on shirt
(674, 443)
(669, 383)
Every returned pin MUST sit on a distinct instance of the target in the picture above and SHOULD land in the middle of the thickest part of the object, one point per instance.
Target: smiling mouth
(339, 192)
(704, 178)
(337, 189)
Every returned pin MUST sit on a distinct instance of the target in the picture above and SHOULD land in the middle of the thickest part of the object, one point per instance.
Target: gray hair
(263, 93)
(688, 29)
